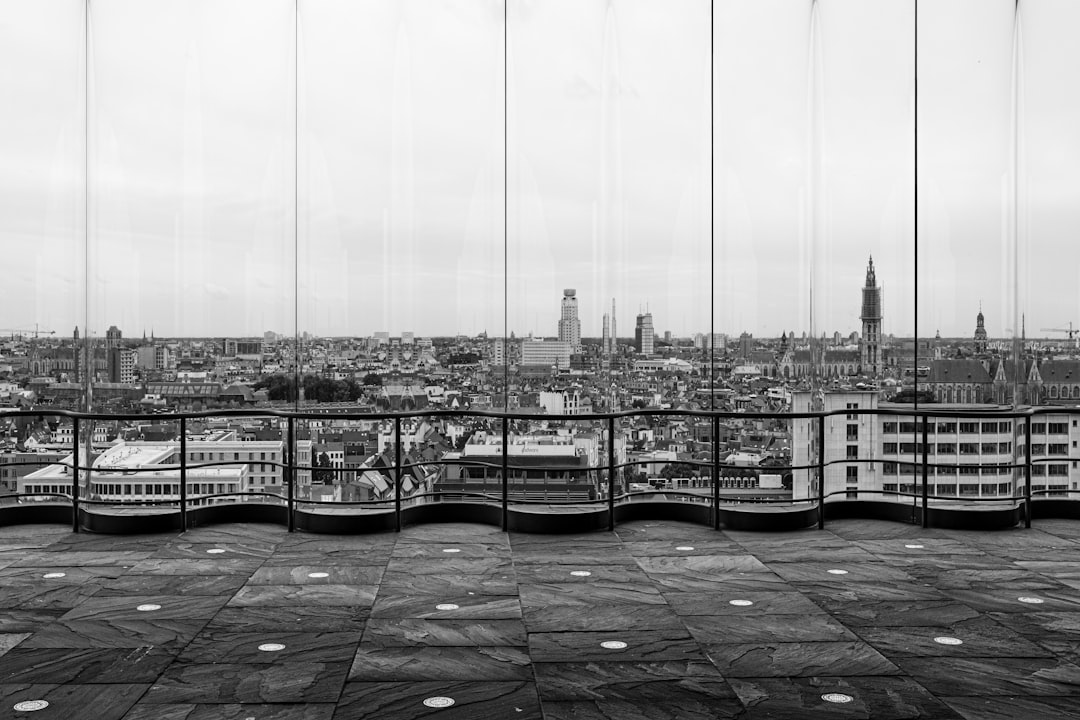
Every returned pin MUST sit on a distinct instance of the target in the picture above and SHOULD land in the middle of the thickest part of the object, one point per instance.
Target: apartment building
(967, 458)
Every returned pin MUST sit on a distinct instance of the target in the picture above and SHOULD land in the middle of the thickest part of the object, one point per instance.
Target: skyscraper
(614, 332)
(113, 350)
(569, 324)
(643, 334)
(870, 354)
(605, 342)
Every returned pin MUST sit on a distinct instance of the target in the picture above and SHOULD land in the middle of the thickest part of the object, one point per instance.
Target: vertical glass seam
(506, 217)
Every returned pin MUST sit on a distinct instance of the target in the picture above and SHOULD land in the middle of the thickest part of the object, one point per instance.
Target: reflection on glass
(608, 159)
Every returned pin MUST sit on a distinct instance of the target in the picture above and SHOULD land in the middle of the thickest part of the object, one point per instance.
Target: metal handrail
(920, 416)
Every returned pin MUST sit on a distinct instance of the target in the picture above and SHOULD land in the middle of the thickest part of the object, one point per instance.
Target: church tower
(980, 333)
(870, 352)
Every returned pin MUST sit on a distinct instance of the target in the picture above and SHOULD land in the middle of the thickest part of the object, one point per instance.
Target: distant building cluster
(563, 375)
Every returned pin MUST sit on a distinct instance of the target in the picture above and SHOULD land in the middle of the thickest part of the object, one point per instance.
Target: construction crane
(26, 331)
(1068, 331)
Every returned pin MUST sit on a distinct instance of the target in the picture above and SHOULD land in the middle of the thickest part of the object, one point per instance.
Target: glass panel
(608, 196)
(401, 223)
(966, 242)
(42, 216)
(191, 228)
(401, 240)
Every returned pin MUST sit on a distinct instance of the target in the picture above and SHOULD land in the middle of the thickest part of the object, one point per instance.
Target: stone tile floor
(250, 622)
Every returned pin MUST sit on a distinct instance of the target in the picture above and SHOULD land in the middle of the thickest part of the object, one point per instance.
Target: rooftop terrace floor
(715, 624)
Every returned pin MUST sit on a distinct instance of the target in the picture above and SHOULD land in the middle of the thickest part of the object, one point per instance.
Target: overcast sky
(395, 138)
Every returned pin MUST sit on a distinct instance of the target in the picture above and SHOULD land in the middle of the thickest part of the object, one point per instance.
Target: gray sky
(397, 222)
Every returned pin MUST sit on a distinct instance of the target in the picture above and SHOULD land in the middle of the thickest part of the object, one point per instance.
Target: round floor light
(838, 572)
(580, 573)
(948, 641)
(741, 603)
(149, 607)
(446, 606)
(451, 550)
(54, 575)
(685, 547)
(1031, 600)
(215, 551)
(31, 705)
(915, 547)
(613, 645)
(439, 702)
(318, 574)
(837, 698)
(271, 647)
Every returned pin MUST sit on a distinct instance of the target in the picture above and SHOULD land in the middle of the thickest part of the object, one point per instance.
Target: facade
(122, 363)
(644, 337)
(561, 402)
(230, 466)
(546, 353)
(969, 458)
(569, 323)
(537, 471)
(870, 348)
(10, 473)
(244, 349)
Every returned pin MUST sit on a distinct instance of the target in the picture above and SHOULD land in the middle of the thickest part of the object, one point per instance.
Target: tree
(371, 379)
(278, 387)
(322, 477)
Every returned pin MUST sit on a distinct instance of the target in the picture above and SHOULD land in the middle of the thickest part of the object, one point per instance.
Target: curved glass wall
(549, 208)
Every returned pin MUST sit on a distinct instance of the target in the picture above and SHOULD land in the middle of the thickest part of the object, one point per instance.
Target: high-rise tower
(614, 332)
(569, 324)
(76, 351)
(643, 334)
(605, 342)
(870, 354)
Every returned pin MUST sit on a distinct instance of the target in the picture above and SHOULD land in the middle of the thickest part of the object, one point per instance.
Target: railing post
(821, 472)
(925, 491)
(183, 475)
(505, 474)
(1027, 471)
(290, 470)
(397, 474)
(611, 474)
(716, 471)
(76, 477)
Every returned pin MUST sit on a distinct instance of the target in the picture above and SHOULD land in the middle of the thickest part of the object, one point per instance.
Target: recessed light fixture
(439, 702)
(53, 576)
(215, 551)
(685, 547)
(31, 705)
(837, 698)
(741, 603)
(580, 573)
(451, 550)
(1031, 600)
(318, 574)
(948, 641)
(613, 645)
(271, 647)
(915, 547)
(838, 572)
(446, 606)
(149, 607)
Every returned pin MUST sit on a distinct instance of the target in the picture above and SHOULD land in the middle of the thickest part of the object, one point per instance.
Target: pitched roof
(1060, 371)
(958, 371)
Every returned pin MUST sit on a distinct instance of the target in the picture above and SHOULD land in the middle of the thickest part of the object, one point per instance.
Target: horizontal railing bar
(921, 412)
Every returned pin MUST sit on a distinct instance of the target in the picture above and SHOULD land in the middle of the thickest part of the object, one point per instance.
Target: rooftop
(248, 620)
